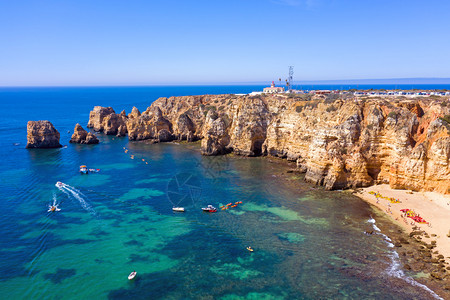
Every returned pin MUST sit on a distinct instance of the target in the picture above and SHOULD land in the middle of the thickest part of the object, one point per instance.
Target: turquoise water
(309, 243)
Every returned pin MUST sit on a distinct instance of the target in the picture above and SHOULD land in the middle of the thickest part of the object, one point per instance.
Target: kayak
(132, 275)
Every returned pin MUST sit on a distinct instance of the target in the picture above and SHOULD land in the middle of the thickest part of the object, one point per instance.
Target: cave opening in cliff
(373, 172)
(257, 147)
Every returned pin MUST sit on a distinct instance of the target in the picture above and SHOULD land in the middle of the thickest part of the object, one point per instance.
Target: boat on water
(179, 209)
(84, 170)
(59, 184)
(132, 275)
(210, 208)
(53, 208)
(250, 249)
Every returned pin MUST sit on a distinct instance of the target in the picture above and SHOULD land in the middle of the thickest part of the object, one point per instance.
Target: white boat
(132, 275)
(59, 184)
(84, 169)
(210, 208)
(180, 209)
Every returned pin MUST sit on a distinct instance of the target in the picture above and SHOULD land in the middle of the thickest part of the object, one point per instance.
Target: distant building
(273, 89)
(323, 92)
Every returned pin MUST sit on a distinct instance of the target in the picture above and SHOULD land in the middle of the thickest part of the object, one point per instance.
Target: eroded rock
(42, 134)
(81, 136)
(338, 144)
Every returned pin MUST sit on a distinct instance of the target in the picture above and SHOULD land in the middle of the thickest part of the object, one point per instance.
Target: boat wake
(394, 269)
(76, 194)
(54, 204)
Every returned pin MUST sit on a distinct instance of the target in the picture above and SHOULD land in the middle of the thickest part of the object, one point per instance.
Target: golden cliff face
(42, 134)
(338, 143)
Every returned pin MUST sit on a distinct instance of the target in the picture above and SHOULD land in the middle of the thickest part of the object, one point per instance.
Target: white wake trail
(78, 195)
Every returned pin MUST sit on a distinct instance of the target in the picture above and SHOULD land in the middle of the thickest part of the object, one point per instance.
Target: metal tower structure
(290, 80)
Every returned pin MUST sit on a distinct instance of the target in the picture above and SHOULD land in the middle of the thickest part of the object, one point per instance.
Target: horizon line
(381, 81)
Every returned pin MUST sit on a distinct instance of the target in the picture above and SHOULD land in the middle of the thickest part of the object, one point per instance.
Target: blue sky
(195, 42)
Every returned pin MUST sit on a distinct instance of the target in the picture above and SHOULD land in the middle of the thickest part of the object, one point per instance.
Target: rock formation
(104, 119)
(338, 141)
(42, 134)
(97, 115)
(81, 136)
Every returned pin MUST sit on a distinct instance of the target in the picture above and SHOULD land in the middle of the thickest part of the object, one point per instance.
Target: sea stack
(42, 134)
(81, 136)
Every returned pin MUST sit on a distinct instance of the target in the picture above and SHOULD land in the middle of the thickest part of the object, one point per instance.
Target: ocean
(308, 243)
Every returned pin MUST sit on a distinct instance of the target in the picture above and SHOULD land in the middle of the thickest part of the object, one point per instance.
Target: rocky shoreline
(418, 258)
(338, 141)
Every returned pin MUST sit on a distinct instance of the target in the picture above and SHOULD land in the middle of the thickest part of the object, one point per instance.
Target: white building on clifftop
(273, 89)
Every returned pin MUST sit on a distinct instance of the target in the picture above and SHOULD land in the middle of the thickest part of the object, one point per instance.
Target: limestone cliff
(81, 136)
(42, 134)
(338, 141)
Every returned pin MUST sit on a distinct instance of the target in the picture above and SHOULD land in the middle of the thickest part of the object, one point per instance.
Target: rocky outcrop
(97, 115)
(42, 134)
(216, 138)
(81, 136)
(114, 124)
(150, 125)
(104, 119)
(339, 142)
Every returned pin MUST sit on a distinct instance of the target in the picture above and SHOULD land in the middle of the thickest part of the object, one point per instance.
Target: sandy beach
(431, 206)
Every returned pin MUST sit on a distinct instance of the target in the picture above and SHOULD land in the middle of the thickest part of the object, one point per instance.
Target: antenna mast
(290, 78)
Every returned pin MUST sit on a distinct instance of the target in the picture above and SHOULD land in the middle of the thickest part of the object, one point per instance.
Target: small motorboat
(132, 275)
(210, 208)
(59, 184)
(179, 209)
(84, 169)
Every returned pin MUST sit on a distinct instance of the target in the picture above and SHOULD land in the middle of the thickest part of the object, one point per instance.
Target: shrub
(446, 118)
(210, 107)
(331, 98)
(331, 108)
(214, 115)
(226, 119)
(312, 104)
(392, 115)
(306, 97)
(299, 109)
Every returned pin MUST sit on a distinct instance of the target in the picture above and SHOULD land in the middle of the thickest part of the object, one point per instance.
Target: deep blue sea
(308, 243)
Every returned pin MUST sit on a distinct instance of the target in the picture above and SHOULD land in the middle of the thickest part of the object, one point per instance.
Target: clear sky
(89, 42)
